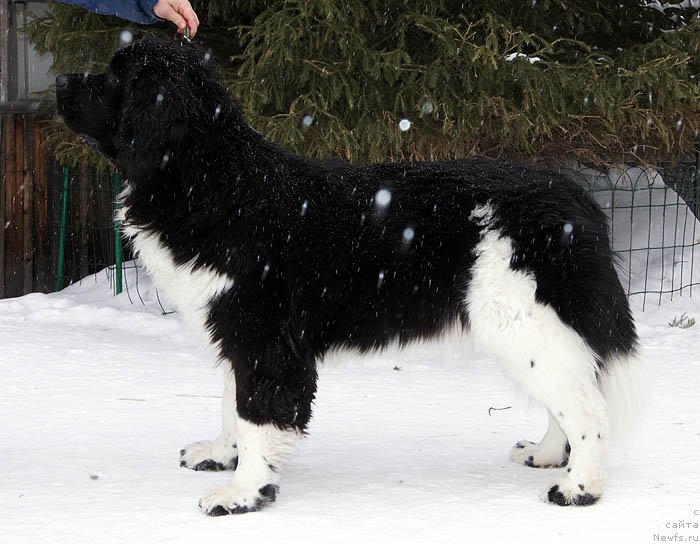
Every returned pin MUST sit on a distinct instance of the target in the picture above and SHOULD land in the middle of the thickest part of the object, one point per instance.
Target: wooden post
(40, 197)
(12, 225)
(4, 168)
(26, 191)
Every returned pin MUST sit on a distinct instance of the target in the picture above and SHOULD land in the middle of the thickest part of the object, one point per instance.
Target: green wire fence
(89, 233)
(654, 226)
(653, 216)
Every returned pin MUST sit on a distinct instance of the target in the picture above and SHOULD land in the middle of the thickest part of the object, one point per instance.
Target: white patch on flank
(548, 358)
(223, 450)
(190, 289)
(262, 450)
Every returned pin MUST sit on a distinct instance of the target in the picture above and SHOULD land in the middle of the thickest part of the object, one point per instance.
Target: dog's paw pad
(557, 497)
(584, 499)
(203, 456)
(538, 456)
(217, 510)
(209, 464)
(233, 500)
(563, 496)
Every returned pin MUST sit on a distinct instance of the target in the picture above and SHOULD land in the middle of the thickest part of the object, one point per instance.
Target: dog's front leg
(274, 390)
(222, 453)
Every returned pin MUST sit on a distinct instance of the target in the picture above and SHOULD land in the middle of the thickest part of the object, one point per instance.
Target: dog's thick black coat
(328, 254)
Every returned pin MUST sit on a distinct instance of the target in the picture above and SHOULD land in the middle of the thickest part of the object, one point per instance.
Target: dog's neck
(167, 189)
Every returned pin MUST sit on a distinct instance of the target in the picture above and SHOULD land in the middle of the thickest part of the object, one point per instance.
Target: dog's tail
(624, 382)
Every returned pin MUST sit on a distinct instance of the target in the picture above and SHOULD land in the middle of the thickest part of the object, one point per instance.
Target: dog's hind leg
(582, 413)
(274, 389)
(222, 453)
(548, 358)
(551, 452)
(563, 379)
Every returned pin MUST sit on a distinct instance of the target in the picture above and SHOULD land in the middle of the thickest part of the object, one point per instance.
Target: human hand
(179, 12)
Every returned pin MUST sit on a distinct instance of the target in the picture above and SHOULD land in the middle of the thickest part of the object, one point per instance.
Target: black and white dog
(279, 258)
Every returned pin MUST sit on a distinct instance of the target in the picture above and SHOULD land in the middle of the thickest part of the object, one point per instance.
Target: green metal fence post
(118, 251)
(62, 230)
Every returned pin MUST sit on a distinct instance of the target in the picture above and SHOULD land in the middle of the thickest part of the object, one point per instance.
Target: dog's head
(153, 99)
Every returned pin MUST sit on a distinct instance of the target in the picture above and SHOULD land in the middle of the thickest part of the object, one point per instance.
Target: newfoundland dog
(278, 259)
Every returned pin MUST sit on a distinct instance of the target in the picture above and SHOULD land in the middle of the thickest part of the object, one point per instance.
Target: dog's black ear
(162, 110)
(172, 101)
(154, 113)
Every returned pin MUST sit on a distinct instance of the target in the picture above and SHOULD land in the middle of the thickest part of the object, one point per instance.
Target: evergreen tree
(587, 80)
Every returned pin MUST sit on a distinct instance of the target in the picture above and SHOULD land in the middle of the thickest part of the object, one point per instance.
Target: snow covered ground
(99, 394)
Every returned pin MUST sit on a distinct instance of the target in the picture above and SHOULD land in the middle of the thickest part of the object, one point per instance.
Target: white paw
(207, 455)
(539, 455)
(573, 490)
(233, 499)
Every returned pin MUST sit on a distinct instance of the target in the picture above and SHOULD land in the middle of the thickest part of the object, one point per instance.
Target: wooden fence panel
(12, 219)
(24, 243)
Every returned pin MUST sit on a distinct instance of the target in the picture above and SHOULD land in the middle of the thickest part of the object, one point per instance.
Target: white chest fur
(190, 289)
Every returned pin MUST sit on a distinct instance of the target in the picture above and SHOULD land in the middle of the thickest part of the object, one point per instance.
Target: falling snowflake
(382, 198)
(125, 37)
(380, 280)
(679, 123)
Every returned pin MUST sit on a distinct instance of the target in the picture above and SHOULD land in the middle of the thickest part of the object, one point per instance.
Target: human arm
(179, 12)
(146, 12)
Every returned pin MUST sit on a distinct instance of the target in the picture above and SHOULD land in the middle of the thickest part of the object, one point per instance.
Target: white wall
(29, 72)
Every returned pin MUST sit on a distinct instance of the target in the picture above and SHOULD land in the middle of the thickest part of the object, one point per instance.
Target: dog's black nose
(61, 81)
